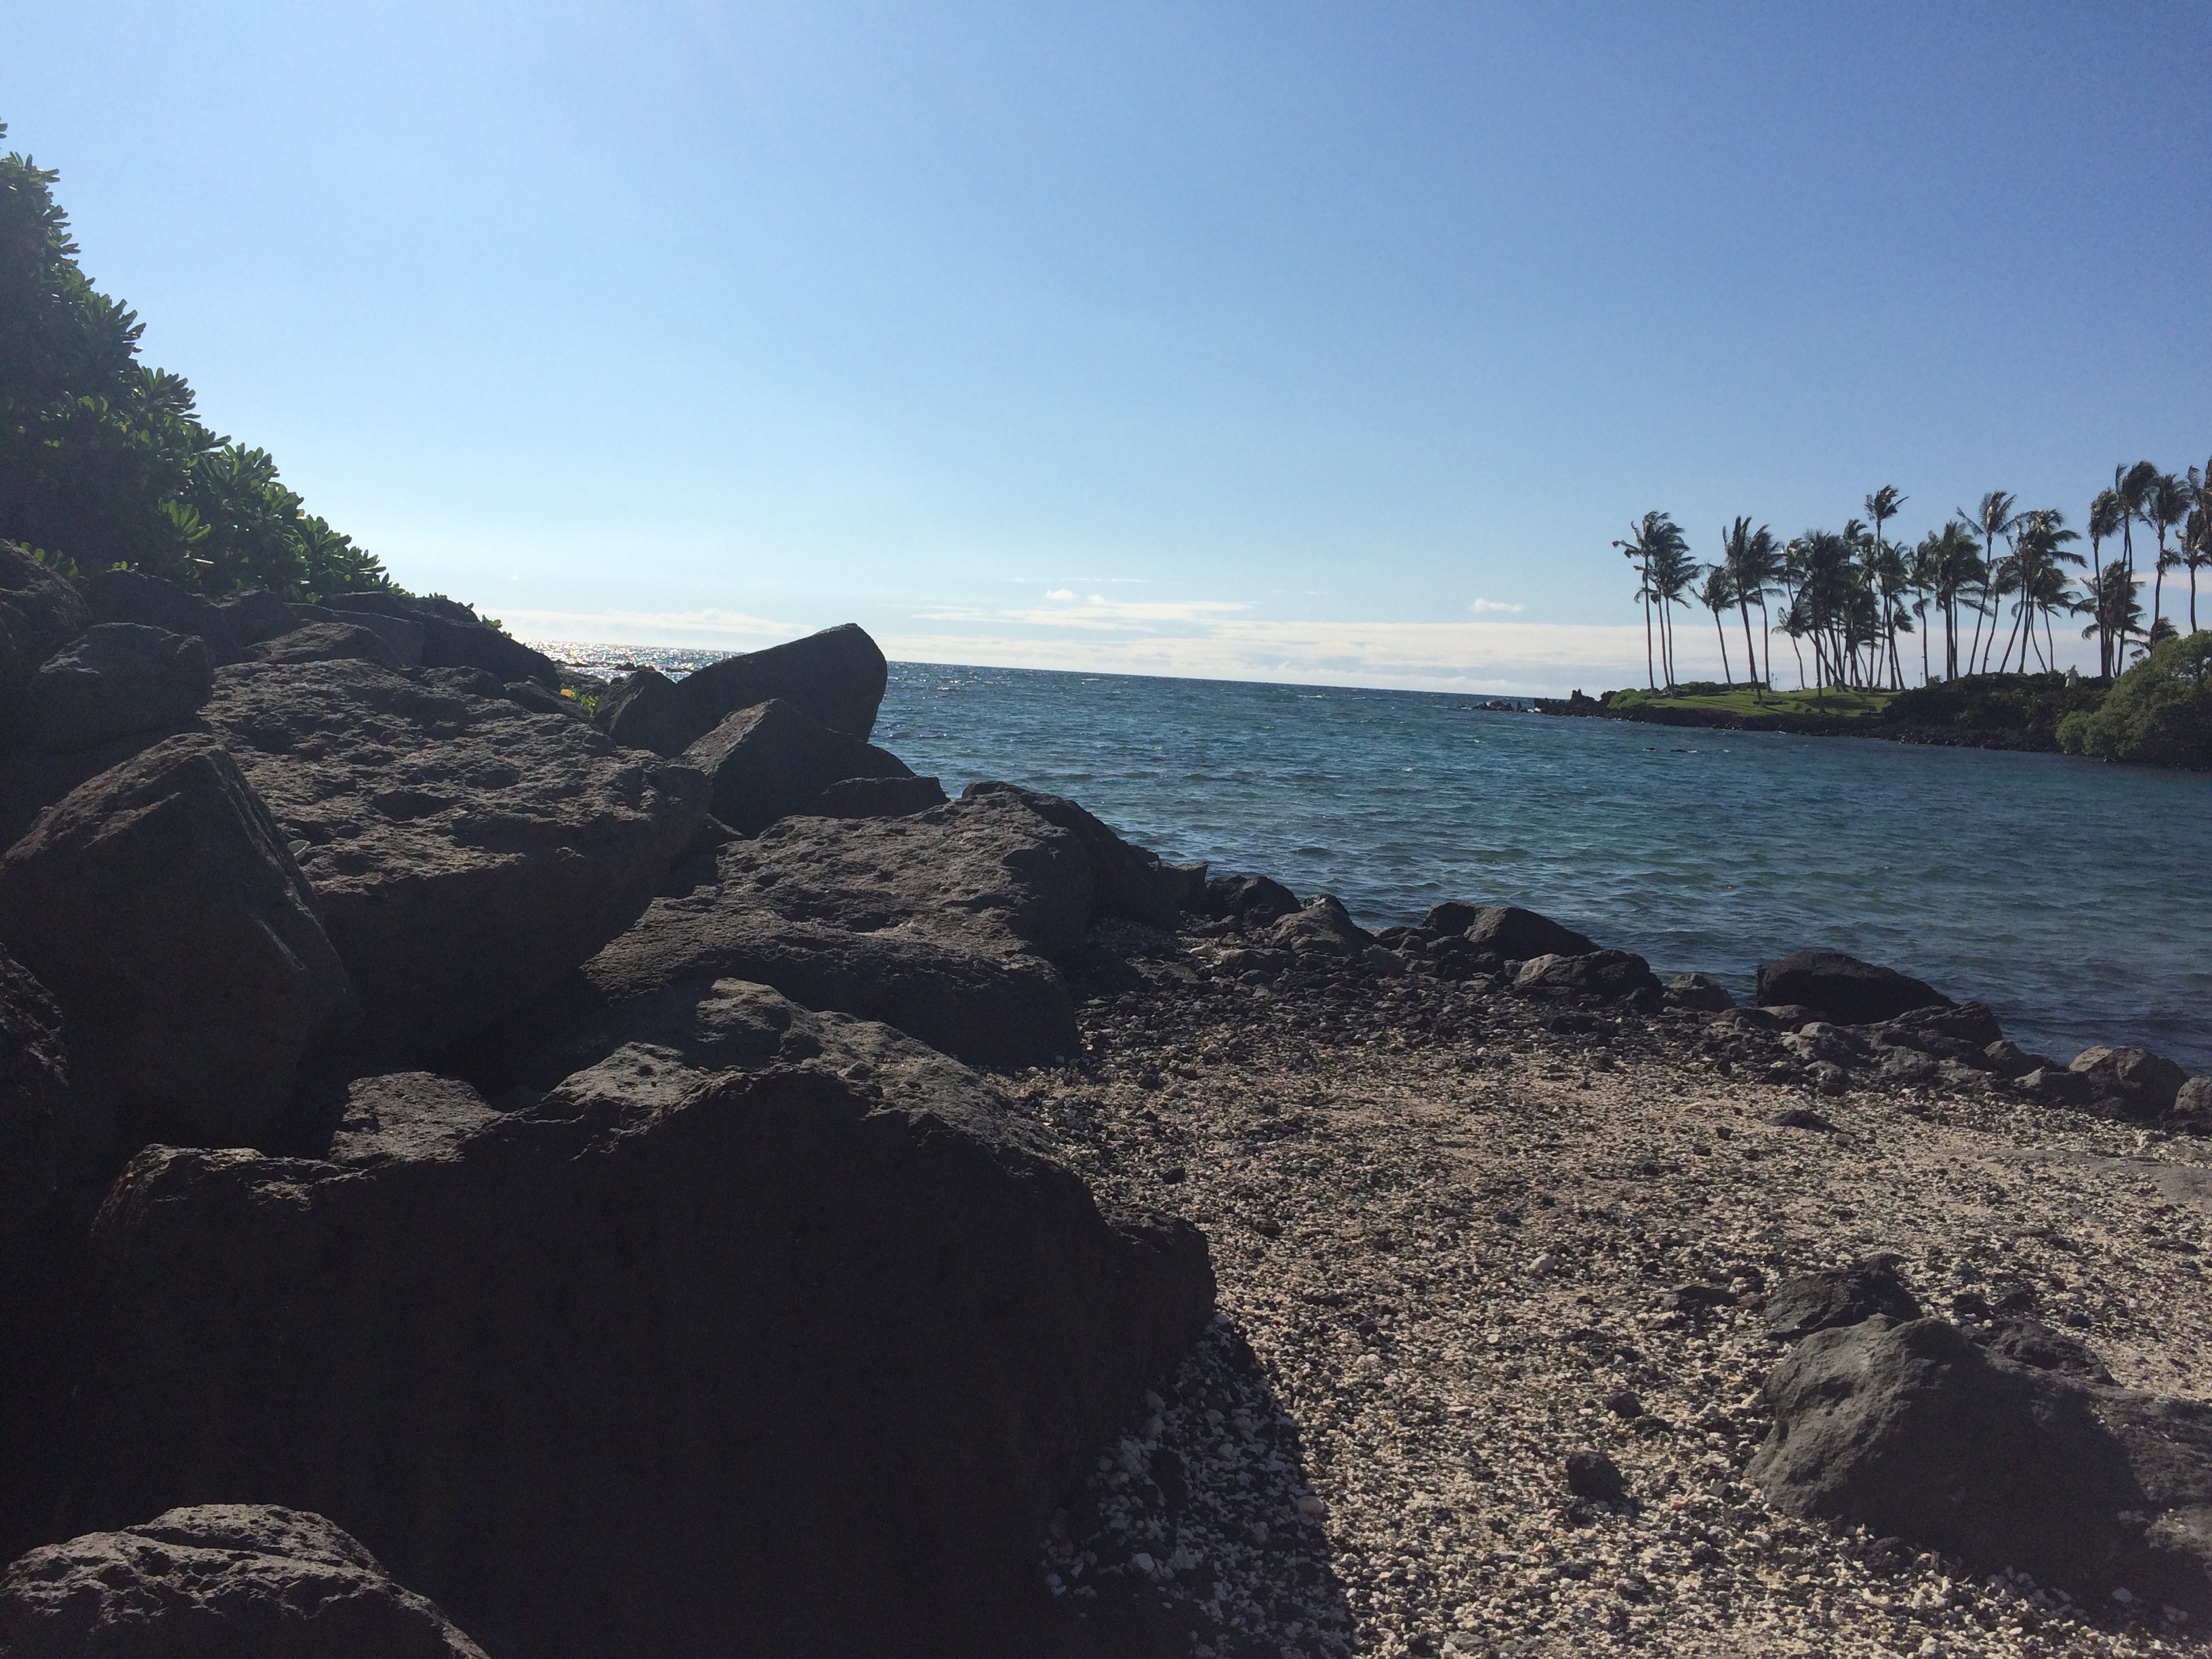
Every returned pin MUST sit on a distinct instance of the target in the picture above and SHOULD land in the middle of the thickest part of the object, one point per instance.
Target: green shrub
(2158, 712)
(1997, 702)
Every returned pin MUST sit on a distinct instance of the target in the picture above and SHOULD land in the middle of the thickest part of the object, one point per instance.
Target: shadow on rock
(1197, 1531)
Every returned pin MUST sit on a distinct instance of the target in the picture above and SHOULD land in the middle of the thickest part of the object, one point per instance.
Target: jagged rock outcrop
(878, 798)
(254, 617)
(1127, 881)
(218, 1581)
(161, 905)
(115, 679)
(128, 596)
(836, 677)
(1256, 901)
(1846, 990)
(942, 924)
(644, 712)
(464, 851)
(452, 637)
(772, 1333)
(1914, 1431)
(39, 613)
(325, 641)
(770, 760)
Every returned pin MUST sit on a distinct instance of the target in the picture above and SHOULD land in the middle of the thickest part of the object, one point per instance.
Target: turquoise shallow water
(2073, 897)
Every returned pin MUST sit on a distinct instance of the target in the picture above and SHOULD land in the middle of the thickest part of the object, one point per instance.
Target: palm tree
(1717, 596)
(1673, 570)
(2105, 519)
(1882, 507)
(1923, 574)
(2196, 548)
(1957, 569)
(1991, 521)
(2166, 504)
(1657, 539)
(2042, 547)
(1752, 559)
(2132, 485)
(2116, 609)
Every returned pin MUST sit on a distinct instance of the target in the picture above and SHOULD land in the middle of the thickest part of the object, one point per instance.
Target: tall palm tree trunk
(1728, 674)
(1649, 678)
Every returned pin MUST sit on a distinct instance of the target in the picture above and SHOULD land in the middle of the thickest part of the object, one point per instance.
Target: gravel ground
(1455, 1245)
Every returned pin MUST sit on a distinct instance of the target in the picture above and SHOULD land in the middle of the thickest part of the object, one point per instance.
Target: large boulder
(1848, 991)
(327, 642)
(1519, 935)
(773, 1333)
(40, 612)
(644, 712)
(1831, 1297)
(218, 1581)
(2142, 1082)
(1321, 925)
(1914, 1431)
(160, 904)
(835, 677)
(116, 679)
(878, 798)
(1605, 976)
(465, 852)
(454, 636)
(942, 924)
(1129, 881)
(770, 760)
(2192, 1106)
(128, 596)
(1256, 901)
(257, 615)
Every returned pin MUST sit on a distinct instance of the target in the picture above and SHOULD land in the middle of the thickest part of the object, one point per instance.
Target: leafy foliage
(103, 461)
(2032, 703)
(2158, 712)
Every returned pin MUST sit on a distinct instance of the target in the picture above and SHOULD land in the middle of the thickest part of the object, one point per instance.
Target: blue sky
(1318, 343)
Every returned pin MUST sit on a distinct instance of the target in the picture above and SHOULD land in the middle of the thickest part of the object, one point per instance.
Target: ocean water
(2073, 897)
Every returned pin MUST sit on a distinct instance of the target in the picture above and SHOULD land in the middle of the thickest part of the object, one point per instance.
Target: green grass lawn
(1743, 700)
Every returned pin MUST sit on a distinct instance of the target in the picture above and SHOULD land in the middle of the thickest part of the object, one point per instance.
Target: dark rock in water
(878, 798)
(768, 1306)
(118, 678)
(1608, 974)
(218, 1581)
(34, 1100)
(941, 924)
(2144, 1082)
(1837, 1296)
(464, 851)
(643, 712)
(1848, 991)
(1187, 884)
(1254, 900)
(1963, 1033)
(454, 636)
(39, 613)
(1519, 935)
(127, 595)
(1593, 1474)
(1322, 925)
(770, 760)
(1700, 992)
(2052, 1085)
(1910, 1429)
(1126, 880)
(835, 677)
(331, 641)
(160, 904)
(2008, 1060)
(255, 616)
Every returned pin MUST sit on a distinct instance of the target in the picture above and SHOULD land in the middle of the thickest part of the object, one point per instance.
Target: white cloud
(1060, 593)
(1484, 607)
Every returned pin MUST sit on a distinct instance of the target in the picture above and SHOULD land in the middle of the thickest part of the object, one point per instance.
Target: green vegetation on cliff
(103, 461)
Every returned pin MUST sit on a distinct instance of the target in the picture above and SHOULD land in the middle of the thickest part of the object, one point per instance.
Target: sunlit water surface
(2073, 897)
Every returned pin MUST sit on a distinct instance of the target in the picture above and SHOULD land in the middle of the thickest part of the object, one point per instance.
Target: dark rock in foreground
(452, 637)
(160, 904)
(1256, 901)
(33, 1098)
(1701, 992)
(942, 924)
(465, 852)
(1603, 976)
(39, 613)
(2143, 1083)
(128, 596)
(770, 760)
(1127, 881)
(1835, 1297)
(219, 1581)
(1914, 1431)
(1846, 990)
(116, 679)
(774, 1334)
(836, 677)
